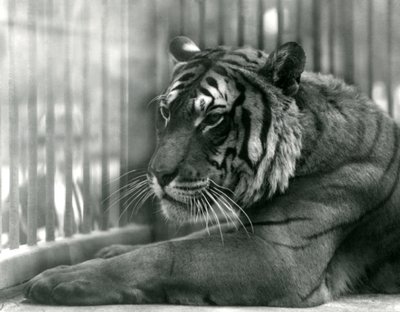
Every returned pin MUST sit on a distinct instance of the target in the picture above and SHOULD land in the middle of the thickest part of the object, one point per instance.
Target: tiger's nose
(164, 177)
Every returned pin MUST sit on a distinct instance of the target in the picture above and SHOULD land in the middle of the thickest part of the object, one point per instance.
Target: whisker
(205, 213)
(227, 216)
(217, 220)
(115, 179)
(221, 187)
(143, 200)
(129, 191)
(138, 195)
(156, 98)
(230, 208)
(234, 203)
(118, 190)
(214, 199)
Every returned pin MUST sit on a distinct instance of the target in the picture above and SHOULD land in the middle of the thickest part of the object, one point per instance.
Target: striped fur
(303, 170)
(320, 136)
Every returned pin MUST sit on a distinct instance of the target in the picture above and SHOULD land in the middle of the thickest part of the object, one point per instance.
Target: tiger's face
(216, 128)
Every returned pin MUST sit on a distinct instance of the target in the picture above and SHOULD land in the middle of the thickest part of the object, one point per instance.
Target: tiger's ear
(182, 49)
(284, 67)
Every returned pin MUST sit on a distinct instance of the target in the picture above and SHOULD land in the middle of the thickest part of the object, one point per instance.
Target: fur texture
(303, 168)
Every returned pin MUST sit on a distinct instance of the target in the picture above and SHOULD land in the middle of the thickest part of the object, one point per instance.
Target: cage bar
(14, 137)
(123, 112)
(347, 7)
(370, 47)
(32, 129)
(50, 124)
(389, 58)
(182, 19)
(105, 176)
(221, 22)
(1, 166)
(202, 18)
(331, 35)
(299, 20)
(87, 205)
(316, 18)
(240, 38)
(281, 22)
(69, 213)
(260, 24)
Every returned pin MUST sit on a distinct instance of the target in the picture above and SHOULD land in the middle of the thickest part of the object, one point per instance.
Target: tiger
(294, 174)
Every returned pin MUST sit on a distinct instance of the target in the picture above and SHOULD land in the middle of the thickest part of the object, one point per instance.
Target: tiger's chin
(175, 211)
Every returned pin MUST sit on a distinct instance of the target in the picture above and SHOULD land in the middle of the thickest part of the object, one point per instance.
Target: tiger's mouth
(185, 193)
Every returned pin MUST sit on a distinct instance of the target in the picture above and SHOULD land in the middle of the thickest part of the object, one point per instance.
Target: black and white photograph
(199, 155)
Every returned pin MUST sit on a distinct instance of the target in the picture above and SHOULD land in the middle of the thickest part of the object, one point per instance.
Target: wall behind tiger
(143, 56)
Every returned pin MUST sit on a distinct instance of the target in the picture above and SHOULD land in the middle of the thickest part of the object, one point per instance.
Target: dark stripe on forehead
(211, 108)
(245, 57)
(220, 71)
(234, 63)
(178, 87)
(205, 92)
(212, 82)
(186, 77)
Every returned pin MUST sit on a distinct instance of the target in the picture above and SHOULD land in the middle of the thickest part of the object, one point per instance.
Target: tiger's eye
(212, 119)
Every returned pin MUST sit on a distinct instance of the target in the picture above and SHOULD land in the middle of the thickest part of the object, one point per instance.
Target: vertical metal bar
(87, 208)
(389, 58)
(299, 20)
(260, 24)
(240, 23)
(69, 214)
(14, 137)
(130, 84)
(1, 166)
(123, 157)
(370, 49)
(331, 36)
(221, 22)
(202, 16)
(104, 120)
(32, 128)
(50, 124)
(281, 22)
(347, 35)
(316, 17)
(182, 18)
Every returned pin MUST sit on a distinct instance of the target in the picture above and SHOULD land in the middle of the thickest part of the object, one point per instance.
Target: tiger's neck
(332, 119)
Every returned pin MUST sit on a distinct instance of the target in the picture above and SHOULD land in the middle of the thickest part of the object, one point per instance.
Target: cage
(76, 116)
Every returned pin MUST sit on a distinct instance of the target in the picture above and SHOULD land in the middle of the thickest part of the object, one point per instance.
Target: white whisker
(217, 221)
(234, 203)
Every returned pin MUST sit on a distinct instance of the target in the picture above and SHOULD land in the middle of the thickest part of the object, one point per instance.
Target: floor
(11, 300)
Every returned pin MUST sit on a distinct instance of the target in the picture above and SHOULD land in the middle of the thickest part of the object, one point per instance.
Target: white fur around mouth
(184, 192)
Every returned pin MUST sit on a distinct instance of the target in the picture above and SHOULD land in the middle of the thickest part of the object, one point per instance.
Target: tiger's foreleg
(241, 270)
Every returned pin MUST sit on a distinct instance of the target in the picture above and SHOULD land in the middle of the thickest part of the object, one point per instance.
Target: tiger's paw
(115, 250)
(83, 284)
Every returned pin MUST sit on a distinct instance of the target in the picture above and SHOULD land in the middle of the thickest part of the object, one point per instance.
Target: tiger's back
(349, 172)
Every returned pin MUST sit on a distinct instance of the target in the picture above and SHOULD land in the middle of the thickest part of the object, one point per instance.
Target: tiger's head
(228, 128)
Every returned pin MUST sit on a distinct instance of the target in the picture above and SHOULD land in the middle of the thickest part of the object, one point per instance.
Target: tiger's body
(310, 165)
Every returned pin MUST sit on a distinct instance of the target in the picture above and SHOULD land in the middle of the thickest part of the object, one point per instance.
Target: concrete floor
(11, 300)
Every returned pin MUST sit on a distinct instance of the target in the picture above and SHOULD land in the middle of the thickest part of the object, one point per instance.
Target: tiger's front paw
(83, 284)
(115, 250)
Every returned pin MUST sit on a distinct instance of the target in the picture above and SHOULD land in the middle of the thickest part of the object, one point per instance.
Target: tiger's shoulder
(340, 124)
